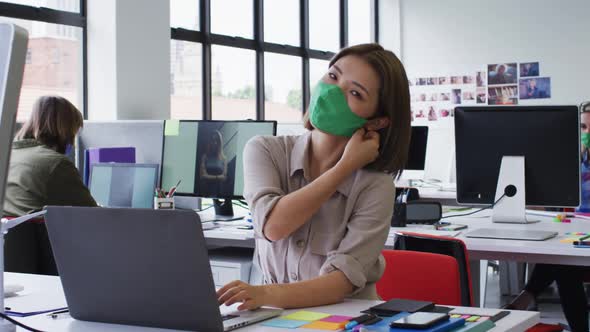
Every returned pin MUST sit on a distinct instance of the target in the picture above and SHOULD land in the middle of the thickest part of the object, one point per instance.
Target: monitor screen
(548, 138)
(124, 185)
(417, 151)
(206, 156)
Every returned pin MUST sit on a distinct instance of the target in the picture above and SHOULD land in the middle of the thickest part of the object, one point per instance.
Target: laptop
(511, 234)
(124, 184)
(139, 267)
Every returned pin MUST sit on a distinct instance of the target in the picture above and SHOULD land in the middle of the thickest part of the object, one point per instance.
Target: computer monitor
(124, 185)
(206, 157)
(13, 49)
(417, 151)
(516, 156)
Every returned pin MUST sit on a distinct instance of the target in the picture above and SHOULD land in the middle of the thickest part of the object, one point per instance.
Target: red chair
(445, 246)
(420, 276)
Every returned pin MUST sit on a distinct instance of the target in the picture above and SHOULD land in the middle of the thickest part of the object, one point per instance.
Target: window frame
(257, 44)
(54, 16)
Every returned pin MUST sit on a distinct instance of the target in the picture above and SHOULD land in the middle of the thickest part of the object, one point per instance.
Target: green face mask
(586, 140)
(329, 111)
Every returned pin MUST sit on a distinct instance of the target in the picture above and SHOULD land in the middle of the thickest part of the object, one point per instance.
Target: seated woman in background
(569, 278)
(40, 174)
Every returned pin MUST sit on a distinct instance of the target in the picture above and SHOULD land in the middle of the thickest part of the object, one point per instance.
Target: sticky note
(308, 316)
(171, 128)
(472, 319)
(336, 319)
(319, 325)
(284, 323)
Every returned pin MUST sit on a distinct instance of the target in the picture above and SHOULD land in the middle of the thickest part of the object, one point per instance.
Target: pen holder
(164, 203)
(399, 217)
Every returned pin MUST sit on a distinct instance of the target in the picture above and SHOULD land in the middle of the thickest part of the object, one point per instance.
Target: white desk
(551, 251)
(42, 286)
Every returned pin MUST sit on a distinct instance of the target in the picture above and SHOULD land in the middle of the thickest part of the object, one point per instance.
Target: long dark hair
(394, 103)
(54, 122)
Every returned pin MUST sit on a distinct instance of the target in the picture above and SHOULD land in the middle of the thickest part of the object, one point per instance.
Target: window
(282, 88)
(281, 22)
(184, 14)
(249, 59)
(186, 83)
(359, 22)
(64, 5)
(233, 83)
(323, 25)
(54, 60)
(232, 18)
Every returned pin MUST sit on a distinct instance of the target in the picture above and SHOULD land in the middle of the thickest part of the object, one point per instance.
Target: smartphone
(420, 320)
(451, 227)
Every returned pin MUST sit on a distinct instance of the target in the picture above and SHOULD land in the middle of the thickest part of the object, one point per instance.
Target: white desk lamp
(13, 51)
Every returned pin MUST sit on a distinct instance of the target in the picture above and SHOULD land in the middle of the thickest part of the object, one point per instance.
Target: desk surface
(42, 287)
(549, 251)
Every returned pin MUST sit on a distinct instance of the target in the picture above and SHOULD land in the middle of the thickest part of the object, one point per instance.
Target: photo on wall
(481, 78)
(468, 95)
(528, 69)
(481, 96)
(443, 80)
(535, 88)
(456, 96)
(503, 95)
(432, 116)
(456, 79)
(502, 73)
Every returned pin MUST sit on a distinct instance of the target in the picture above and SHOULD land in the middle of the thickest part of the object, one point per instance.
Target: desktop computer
(124, 185)
(206, 157)
(510, 157)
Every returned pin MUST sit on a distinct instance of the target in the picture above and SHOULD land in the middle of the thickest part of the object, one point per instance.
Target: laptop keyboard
(228, 317)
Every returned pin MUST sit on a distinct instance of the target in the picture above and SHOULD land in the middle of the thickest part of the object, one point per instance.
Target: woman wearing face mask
(569, 278)
(40, 174)
(322, 202)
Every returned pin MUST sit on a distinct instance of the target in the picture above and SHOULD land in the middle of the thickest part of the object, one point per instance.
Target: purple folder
(106, 155)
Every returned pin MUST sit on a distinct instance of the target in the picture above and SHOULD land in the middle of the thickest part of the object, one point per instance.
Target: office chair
(445, 246)
(420, 276)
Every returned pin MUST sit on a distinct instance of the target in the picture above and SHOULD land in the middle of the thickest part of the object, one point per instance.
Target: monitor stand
(223, 209)
(511, 208)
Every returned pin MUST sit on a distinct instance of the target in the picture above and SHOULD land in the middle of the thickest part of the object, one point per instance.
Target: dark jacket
(40, 176)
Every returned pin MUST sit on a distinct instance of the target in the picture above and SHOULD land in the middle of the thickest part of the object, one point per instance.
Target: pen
(173, 189)
(581, 246)
(359, 320)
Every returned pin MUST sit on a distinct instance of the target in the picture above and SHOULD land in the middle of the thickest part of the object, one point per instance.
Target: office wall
(128, 60)
(462, 36)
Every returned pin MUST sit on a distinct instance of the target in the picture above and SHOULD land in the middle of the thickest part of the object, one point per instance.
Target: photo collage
(434, 98)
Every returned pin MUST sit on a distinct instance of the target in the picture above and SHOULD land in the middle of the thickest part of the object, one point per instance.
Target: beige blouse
(347, 233)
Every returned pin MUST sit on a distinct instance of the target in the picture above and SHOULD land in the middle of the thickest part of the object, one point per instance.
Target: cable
(15, 322)
(476, 211)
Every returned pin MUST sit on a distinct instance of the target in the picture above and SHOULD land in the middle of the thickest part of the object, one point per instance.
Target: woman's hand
(361, 150)
(252, 297)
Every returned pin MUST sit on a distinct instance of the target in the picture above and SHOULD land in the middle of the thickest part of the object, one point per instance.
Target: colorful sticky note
(171, 128)
(472, 319)
(336, 319)
(319, 325)
(284, 323)
(308, 316)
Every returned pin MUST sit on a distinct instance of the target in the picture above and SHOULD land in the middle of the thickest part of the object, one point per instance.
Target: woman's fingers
(240, 296)
(224, 289)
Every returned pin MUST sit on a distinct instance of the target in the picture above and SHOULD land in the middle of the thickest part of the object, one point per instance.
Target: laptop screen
(124, 185)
